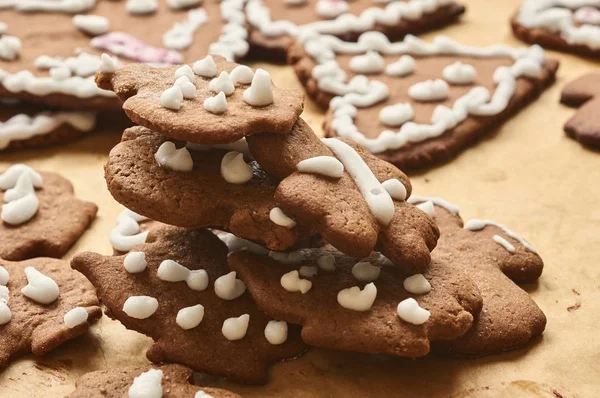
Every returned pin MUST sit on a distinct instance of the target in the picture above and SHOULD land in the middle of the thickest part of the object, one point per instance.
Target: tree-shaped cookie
(209, 190)
(41, 215)
(355, 200)
(584, 93)
(211, 102)
(496, 259)
(43, 304)
(178, 290)
(167, 381)
(417, 103)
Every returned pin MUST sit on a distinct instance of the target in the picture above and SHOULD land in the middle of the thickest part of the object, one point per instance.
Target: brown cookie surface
(57, 224)
(203, 198)
(388, 102)
(496, 259)
(274, 24)
(204, 348)
(584, 93)
(336, 206)
(39, 328)
(141, 88)
(572, 27)
(375, 328)
(163, 36)
(176, 381)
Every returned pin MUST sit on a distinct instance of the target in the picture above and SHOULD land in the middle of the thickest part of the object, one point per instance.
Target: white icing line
(477, 225)
(504, 243)
(19, 183)
(181, 35)
(126, 233)
(232, 43)
(415, 199)
(64, 6)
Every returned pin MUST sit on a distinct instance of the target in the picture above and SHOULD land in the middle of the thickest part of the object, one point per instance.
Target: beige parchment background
(528, 175)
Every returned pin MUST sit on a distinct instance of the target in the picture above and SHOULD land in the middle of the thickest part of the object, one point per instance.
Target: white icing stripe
(19, 183)
(503, 242)
(127, 233)
(559, 16)
(477, 225)
(378, 199)
(415, 199)
(362, 92)
(181, 35)
(21, 127)
(65, 6)
(232, 42)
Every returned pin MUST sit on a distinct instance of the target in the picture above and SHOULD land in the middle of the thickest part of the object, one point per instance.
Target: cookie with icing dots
(497, 260)
(35, 69)
(565, 25)
(177, 289)
(43, 304)
(416, 103)
(167, 381)
(40, 215)
(212, 101)
(355, 200)
(364, 306)
(274, 24)
(584, 93)
(193, 187)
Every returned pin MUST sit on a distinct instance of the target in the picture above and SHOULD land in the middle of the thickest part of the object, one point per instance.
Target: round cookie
(275, 24)
(584, 93)
(415, 103)
(157, 292)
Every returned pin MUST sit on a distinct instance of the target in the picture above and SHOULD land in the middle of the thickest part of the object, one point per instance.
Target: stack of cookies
(266, 239)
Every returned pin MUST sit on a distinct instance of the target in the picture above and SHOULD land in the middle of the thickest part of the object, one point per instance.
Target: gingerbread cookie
(177, 289)
(195, 188)
(353, 199)
(40, 216)
(275, 24)
(565, 25)
(211, 102)
(167, 381)
(496, 259)
(43, 304)
(49, 51)
(366, 306)
(415, 103)
(584, 93)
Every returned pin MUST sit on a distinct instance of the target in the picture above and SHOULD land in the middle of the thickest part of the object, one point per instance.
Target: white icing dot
(107, 64)
(365, 271)
(228, 287)
(324, 165)
(222, 83)
(368, 63)
(427, 207)
(93, 24)
(20, 211)
(396, 115)
(216, 104)
(326, 262)
(276, 332)
(126, 234)
(429, 90)
(190, 317)
(185, 70)
(308, 272)
(4, 277)
(356, 299)
(410, 311)
(141, 7)
(188, 89)
(202, 394)
(5, 314)
(140, 307)
(172, 271)
(181, 4)
(135, 262)
(235, 328)
(395, 188)
(22, 188)
(4, 294)
(459, 73)
(172, 98)
(331, 8)
(242, 74)
(181, 35)
(404, 66)
(75, 317)
(40, 288)
(206, 67)
(234, 169)
(417, 284)
(260, 92)
(292, 283)
(278, 217)
(293, 257)
(10, 47)
(147, 385)
(172, 158)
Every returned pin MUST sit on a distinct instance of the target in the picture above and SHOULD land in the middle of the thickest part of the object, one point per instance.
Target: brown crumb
(576, 292)
(557, 394)
(574, 307)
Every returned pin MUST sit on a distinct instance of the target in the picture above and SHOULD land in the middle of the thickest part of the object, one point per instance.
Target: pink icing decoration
(128, 46)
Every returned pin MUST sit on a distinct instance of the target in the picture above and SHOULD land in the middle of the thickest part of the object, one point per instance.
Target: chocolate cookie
(275, 24)
(584, 93)
(167, 381)
(565, 25)
(415, 103)
(186, 103)
(177, 289)
(43, 304)
(496, 259)
(50, 52)
(353, 199)
(198, 197)
(41, 217)
(366, 306)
